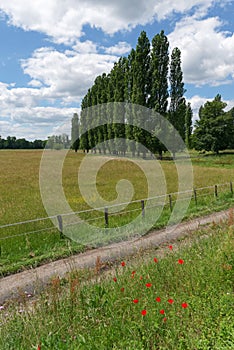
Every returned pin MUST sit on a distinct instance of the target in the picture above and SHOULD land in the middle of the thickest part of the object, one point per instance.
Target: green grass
(102, 314)
(20, 200)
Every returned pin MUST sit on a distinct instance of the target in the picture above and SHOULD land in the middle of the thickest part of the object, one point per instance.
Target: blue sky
(52, 50)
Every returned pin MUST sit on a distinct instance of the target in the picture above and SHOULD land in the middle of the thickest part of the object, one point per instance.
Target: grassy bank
(181, 299)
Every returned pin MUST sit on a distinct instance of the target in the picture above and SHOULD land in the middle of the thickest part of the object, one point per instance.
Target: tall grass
(20, 201)
(179, 298)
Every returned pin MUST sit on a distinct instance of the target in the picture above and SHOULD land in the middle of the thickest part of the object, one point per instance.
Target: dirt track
(35, 280)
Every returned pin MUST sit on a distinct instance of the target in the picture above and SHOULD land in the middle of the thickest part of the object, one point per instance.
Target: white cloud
(37, 122)
(207, 53)
(64, 20)
(119, 49)
(58, 79)
(35, 83)
(67, 75)
(85, 47)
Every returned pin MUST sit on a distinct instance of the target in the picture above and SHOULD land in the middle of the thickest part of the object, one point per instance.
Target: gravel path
(34, 280)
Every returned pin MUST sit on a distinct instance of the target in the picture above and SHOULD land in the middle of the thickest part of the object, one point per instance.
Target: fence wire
(170, 199)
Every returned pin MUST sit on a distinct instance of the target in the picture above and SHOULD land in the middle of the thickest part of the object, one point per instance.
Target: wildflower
(133, 273)
(162, 312)
(180, 261)
(1, 307)
(143, 312)
(39, 347)
(148, 285)
(123, 263)
(170, 247)
(158, 299)
(170, 301)
(141, 277)
(135, 301)
(155, 260)
(164, 319)
(122, 289)
(184, 305)
(115, 279)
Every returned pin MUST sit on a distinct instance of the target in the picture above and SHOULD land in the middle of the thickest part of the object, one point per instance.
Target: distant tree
(38, 144)
(58, 142)
(22, 144)
(75, 141)
(214, 129)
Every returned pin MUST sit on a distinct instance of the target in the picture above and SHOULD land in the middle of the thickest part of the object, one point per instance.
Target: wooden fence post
(170, 202)
(231, 188)
(195, 195)
(60, 223)
(143, 208)
(106, 217)
(216, 191)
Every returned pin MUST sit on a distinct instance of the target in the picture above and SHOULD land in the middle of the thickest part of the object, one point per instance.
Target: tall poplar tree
(128, 98)
(188, 125)
(75, 132)
(158, 101)
(177, 108)
(159, 73)
(141, 88)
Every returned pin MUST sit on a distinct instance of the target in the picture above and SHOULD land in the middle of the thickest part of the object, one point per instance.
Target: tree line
(147, 77)
(56, 142)
(11, 142)
(150, 78)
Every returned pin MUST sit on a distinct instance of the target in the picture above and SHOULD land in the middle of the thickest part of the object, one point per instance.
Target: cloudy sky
(52, 50)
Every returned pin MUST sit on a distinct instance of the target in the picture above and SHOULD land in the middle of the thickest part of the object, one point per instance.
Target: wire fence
(57, 223)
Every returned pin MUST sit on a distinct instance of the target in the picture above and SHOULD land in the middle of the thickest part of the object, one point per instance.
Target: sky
(52, 50)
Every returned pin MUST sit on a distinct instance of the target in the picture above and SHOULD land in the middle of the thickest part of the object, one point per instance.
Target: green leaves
(214, 131)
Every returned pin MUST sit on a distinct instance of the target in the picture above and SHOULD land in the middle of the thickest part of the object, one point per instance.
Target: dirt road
(34, 280)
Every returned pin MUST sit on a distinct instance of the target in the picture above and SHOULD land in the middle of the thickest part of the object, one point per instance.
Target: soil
(35, 280)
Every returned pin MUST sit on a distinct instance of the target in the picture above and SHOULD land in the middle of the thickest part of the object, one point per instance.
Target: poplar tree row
(147, 77)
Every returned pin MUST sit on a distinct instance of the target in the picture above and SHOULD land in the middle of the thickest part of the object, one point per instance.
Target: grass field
(20, 199)
(177, 298)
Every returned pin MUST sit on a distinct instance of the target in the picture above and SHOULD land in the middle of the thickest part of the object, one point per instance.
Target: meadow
(176, 297)
(20, 200)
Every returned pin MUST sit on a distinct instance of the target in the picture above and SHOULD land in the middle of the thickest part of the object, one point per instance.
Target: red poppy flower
(143, 312)
(170, 247)
(133, 272)
(162, 312)
(155, 260)
(122, 289)
(39, 347)
(170, 301)
(148, 285)
(180, 261)
(123, 263)
(135, 301)
(115, 279)
(158, 299)
(164, 319)
(184, 305)
(141, 278)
